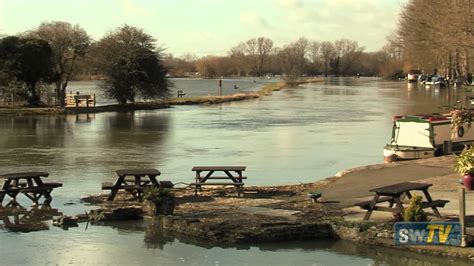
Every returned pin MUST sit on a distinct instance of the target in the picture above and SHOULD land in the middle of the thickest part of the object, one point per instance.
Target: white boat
(412, 75)
(436, 80)
(425, 136)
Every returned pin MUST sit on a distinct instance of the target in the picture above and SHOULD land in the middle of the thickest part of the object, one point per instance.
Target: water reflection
(156, 238)
(296, 135)
(16, 218)
(84, 118)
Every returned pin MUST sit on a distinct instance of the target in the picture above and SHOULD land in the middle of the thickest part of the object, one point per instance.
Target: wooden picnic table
(231, 173)
(393, 195)
(140, 180)
(28, 183)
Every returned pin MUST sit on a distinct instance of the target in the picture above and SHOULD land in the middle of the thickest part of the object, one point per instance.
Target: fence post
(462, 216)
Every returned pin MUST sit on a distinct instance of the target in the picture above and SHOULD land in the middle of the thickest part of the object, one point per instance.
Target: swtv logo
(426, 233)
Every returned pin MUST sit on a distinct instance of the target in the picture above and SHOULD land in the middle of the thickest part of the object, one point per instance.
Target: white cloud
(131, 9)
(252, 20)
(366, 21)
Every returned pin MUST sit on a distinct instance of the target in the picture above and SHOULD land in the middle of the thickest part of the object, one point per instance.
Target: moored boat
(425, 136)
(413, 74)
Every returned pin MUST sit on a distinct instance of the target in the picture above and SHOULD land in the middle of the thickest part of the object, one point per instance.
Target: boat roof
(423, 118)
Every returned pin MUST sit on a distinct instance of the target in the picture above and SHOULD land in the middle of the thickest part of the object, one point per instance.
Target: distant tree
(314, 49)
(28, 61)
(238, 58)
(293, 61)
(208, 66)
(69, 44)
(180, 66)
(132, 65)
(328, 52)
(257, 52)
(347, 53)
(437, 35)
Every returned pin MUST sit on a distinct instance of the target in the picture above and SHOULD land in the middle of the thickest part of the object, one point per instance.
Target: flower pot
(468, 181)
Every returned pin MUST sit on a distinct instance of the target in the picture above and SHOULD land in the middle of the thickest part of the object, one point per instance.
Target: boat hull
(399, 153)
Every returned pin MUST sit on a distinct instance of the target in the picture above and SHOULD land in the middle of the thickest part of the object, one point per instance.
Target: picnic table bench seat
(223, 177)
(46, 184)
(434, 203)
(218, 184)
(366, 204)
(110, 185)
(52, 184)
(35, 189)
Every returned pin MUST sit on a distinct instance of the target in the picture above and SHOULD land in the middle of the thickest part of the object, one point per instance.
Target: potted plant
(459, 117)
(159, 201)
(465, 166)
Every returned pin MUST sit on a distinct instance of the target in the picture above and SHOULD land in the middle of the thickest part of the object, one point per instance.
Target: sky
(213, 27)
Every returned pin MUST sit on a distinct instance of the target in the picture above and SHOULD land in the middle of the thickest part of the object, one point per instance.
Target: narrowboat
(425, 136)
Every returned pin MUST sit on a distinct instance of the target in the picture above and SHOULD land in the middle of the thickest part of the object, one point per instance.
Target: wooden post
(462, 215)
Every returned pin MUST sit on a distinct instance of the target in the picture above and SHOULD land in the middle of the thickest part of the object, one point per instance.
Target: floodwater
(296, 135)
(189, 86)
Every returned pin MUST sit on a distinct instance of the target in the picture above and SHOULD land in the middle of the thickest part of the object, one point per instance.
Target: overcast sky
(205, 27)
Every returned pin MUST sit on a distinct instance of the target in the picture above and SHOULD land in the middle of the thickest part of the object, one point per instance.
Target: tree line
(55, 53)
(436, 36)
(132, 64)
(259, 57)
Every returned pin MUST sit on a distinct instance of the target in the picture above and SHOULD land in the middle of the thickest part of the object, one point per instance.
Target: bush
(465, 161)
(157, 195)
(414, 212)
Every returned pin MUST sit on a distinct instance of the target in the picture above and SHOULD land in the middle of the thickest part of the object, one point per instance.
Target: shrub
(414, 212)
(465, 161)
(157, 195)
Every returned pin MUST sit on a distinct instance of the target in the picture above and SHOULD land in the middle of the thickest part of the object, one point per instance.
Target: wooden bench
(52, 184)
(238, 185)
(110, 185)
(366, 204)
(223, 177)
(35, 189)
(434, 203)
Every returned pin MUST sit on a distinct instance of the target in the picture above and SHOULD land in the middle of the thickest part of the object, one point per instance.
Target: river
(295, 135)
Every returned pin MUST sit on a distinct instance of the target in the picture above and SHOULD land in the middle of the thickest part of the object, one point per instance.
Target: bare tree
(347, 52)
(293, 60)
(314, 56)
(438, 35)
(258, 50)
(69, 44)
(327, 53)
(238, 58)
